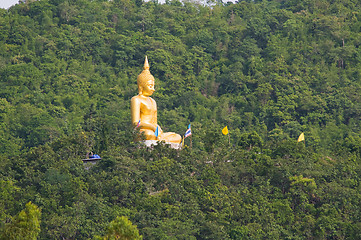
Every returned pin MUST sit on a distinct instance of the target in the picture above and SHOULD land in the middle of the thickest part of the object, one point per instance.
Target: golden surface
(144, 107)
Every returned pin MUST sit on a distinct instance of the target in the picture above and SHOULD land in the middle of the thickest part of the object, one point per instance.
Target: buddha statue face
(146, 88)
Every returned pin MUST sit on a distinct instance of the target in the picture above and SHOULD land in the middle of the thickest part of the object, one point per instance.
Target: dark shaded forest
(269, 70)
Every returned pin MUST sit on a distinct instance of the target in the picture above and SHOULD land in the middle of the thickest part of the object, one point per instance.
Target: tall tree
(26, 225)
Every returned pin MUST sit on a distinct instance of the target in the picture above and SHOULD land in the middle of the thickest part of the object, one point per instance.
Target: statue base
(151, 143)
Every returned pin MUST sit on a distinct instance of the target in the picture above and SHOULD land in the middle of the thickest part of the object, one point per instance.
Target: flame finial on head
(146, 64)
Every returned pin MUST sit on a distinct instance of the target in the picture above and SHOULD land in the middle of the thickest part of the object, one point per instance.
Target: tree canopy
(269, 70)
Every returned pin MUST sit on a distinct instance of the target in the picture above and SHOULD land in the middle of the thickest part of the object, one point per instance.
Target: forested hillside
(269, 70)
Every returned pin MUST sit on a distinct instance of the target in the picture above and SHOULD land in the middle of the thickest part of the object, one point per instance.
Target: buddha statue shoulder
(144, 110)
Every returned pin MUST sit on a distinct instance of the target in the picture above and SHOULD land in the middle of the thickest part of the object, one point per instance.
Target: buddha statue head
(145, 80)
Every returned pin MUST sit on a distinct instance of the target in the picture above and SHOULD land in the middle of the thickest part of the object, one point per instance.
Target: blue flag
(156, 133)
(188, 132)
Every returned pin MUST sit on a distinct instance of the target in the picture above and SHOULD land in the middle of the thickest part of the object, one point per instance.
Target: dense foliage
(269, 70)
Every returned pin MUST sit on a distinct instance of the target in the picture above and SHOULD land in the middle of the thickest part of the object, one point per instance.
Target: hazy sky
(7, 3)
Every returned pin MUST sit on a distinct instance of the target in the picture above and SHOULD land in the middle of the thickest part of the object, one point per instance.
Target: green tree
(121, 229)
(25, 226)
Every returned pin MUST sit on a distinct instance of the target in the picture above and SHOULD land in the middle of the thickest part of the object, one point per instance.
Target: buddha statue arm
(156, 120)
(135, 110)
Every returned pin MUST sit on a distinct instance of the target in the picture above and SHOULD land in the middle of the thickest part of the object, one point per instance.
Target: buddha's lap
(171, 137)
(165, 136)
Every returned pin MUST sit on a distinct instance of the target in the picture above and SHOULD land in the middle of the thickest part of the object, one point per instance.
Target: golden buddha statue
(144, 110)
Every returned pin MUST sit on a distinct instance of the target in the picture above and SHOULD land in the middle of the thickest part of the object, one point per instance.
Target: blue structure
(95, 156)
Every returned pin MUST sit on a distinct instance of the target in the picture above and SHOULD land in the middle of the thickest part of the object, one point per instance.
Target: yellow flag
(301, 138)
(183, 142)
(225, 130)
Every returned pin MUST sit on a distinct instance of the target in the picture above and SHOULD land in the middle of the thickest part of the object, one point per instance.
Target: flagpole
(229, 139)
(191, 142)
(304, 142)
(189, 133)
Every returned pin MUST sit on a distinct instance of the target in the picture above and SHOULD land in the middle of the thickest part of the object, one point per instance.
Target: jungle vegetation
(269, 70)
